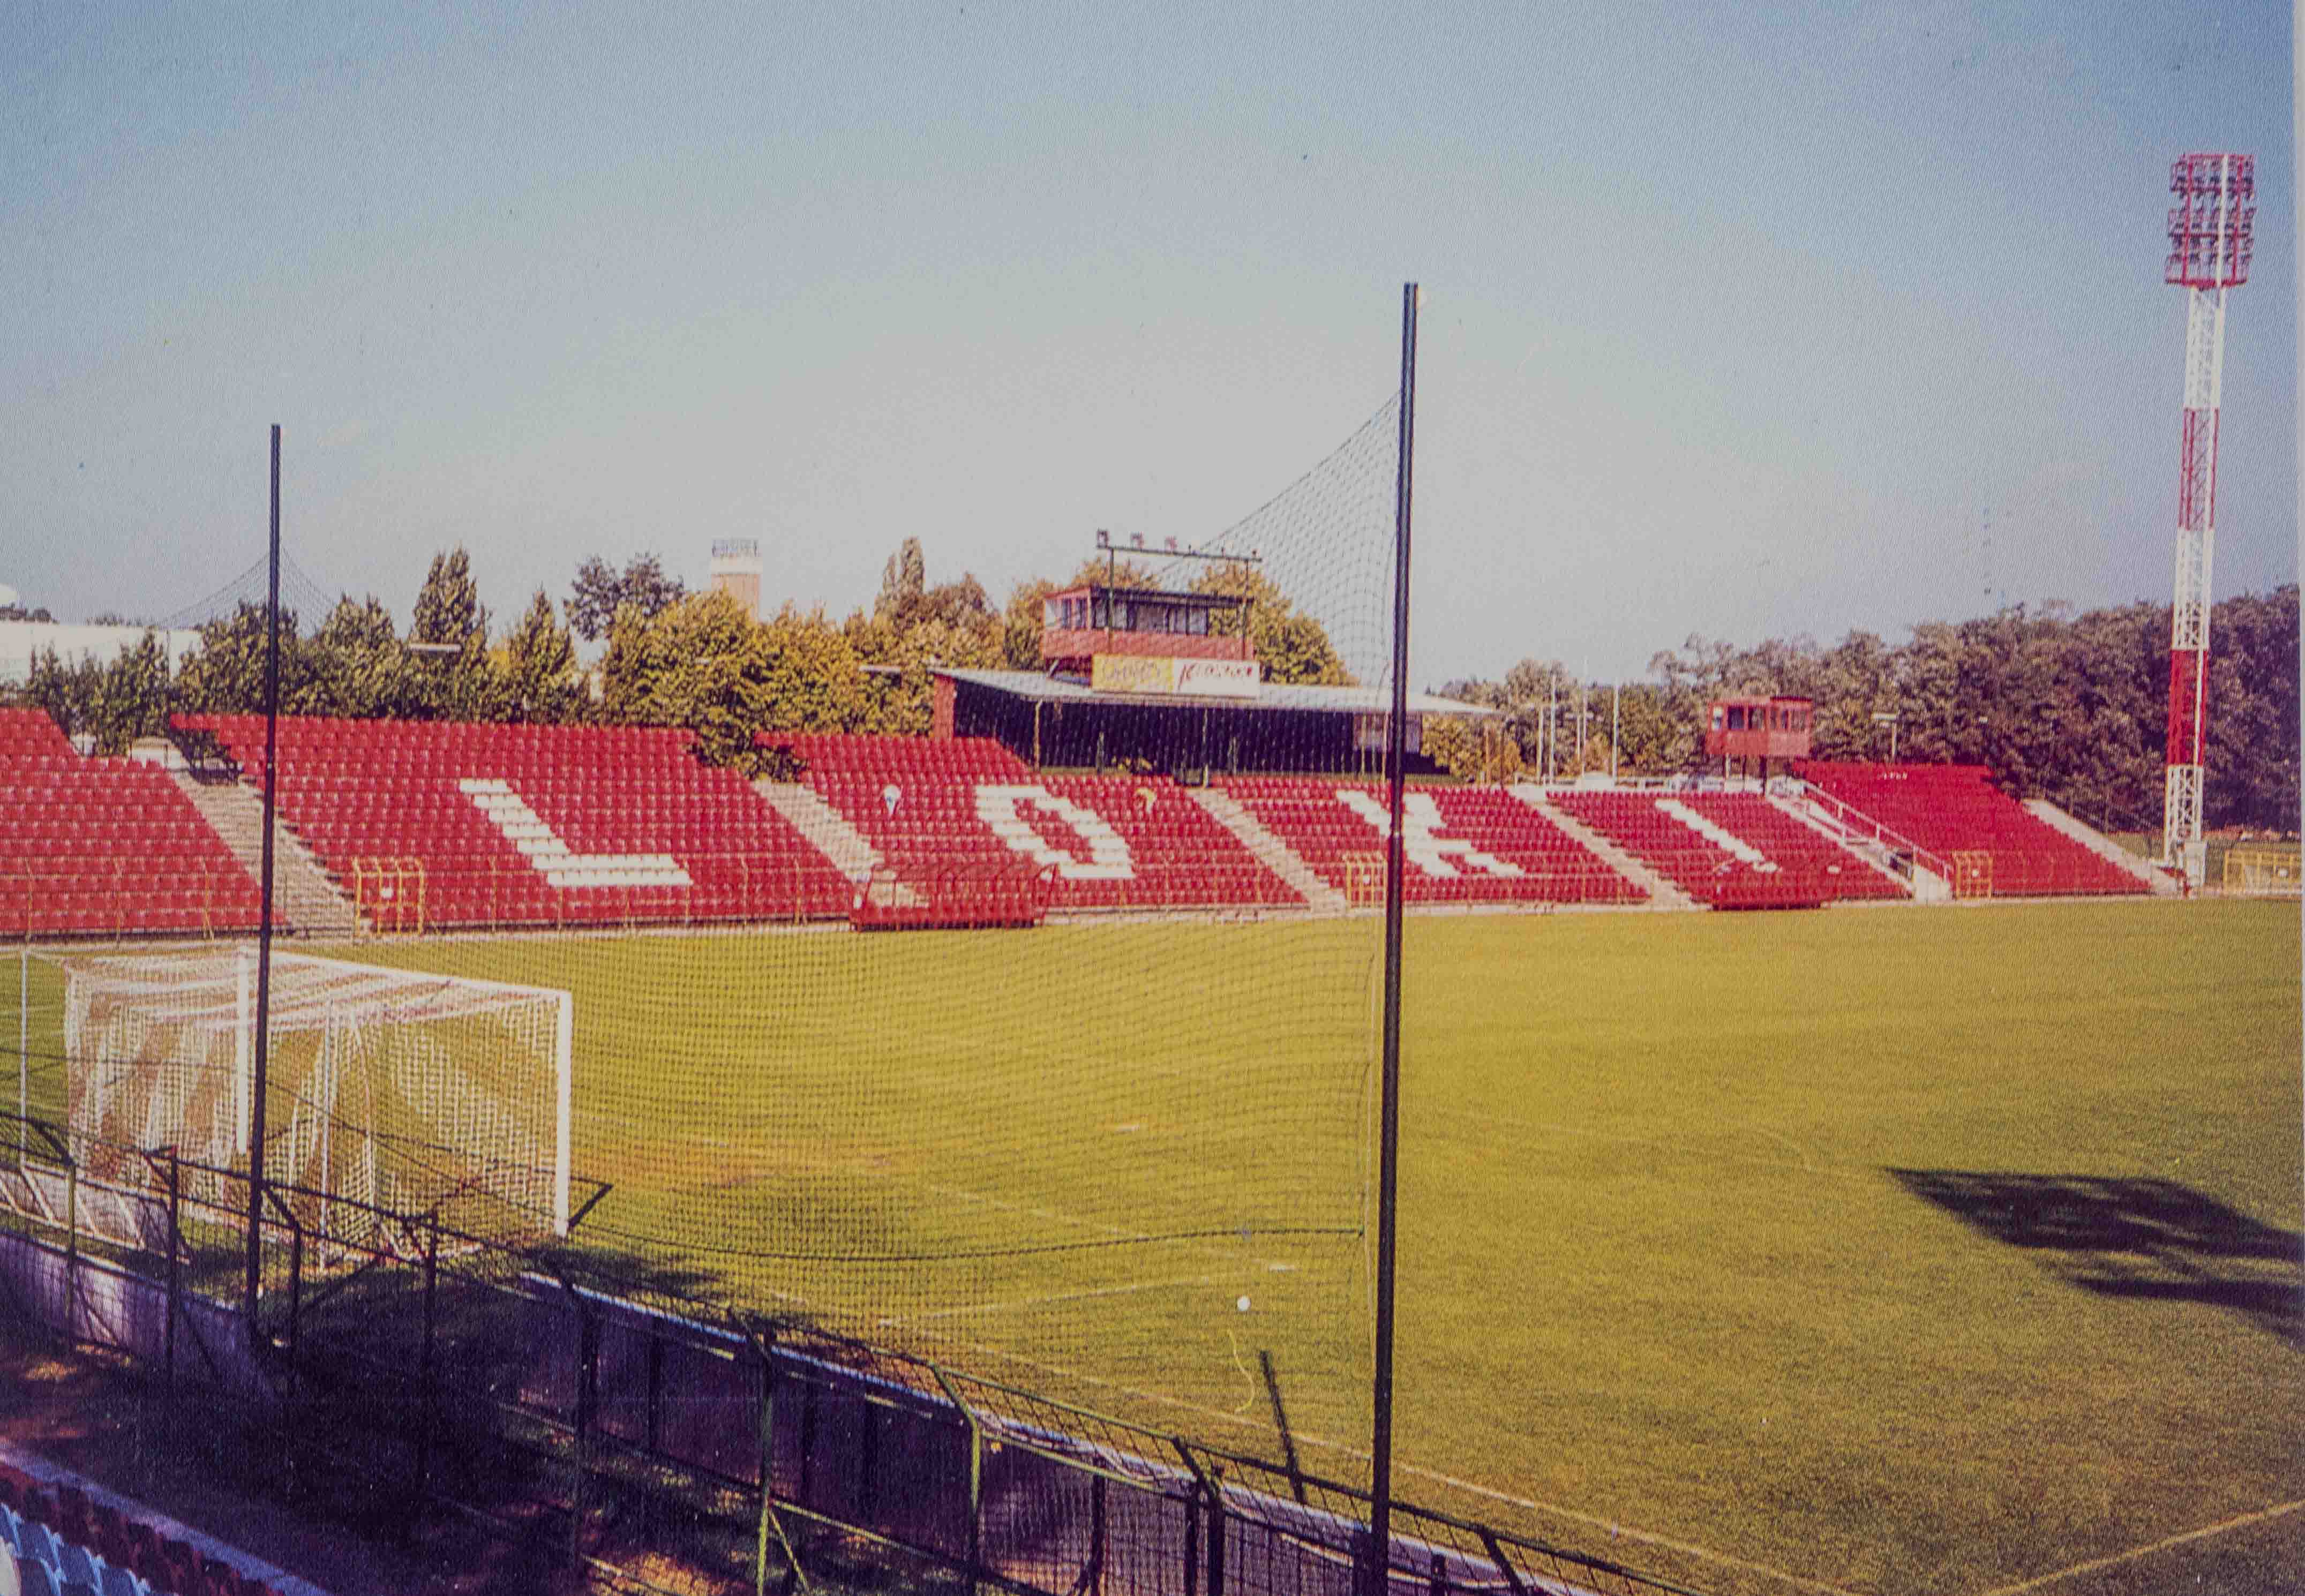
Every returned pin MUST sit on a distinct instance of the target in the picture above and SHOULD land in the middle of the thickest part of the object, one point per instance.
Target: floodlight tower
(2210, 227)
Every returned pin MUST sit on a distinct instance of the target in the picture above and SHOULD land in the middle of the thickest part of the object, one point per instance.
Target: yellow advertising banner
(1132, 672)
(1156, 673)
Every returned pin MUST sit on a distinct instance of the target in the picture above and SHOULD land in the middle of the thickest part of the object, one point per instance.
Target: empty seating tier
(957, 818)
(61, 1540)
(1461, 845)
(105, 847)
(448, 824)
(895, 758)
(1730, 850)
(1994, 846)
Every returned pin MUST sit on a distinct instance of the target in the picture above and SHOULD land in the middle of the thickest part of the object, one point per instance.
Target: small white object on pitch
(1241, 1303)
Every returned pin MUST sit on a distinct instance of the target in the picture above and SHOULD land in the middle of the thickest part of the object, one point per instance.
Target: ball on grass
(1241, 1303)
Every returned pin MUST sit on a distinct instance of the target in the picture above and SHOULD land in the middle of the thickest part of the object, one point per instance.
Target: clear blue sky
(1739, 324)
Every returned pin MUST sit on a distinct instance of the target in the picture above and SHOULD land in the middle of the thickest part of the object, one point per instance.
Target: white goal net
(395, 1089)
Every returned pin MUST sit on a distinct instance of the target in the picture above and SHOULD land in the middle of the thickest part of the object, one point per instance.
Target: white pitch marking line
(1807, 1165)
(1119, 1232)
(1061, 1297)
(1648, 1537)
(2237, 1522)
(1614, 1527)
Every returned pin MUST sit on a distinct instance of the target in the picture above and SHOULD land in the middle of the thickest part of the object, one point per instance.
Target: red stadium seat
(516, 825)
(965, 818)
(92, 846)
(1956, 809)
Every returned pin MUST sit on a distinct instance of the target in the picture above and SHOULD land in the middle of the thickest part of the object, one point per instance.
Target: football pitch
(1891, 1251)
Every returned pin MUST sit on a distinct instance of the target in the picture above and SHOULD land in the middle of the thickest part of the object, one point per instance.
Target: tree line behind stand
(667, 657)
(2072, 707)
(2063, 705)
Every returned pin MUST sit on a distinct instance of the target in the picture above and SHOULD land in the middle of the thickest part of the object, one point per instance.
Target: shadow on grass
(2133, 1237)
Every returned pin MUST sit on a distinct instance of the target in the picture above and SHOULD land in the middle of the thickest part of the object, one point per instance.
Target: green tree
(357, 665)
(1473, 748)
(66, 693)
(1652, 740)
(1020, 622)
(454, 679)
(904, 582)
(1292, 647)
(224, 676)
(600, 589)
(112, 703)
(539, 667)
(704, 664)
(912, 629)
(132, 696)
(2253, 712)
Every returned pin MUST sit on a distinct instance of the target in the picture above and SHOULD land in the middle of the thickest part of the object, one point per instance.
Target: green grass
(1695, 1270)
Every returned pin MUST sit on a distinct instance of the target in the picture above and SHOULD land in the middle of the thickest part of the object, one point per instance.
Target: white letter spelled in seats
(1421, 842)
(549, 857)
(1002, 808)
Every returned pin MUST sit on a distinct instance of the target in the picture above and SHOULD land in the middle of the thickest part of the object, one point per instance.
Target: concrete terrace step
(1663, 893)
(829, 832)
(303, 891)
(1269, 850)
(2158, 881)
(1872, 852)
(1926, 885)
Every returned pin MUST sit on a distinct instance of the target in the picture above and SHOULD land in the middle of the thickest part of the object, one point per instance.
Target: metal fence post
(764, 1348)
(176, 1273)
(425, 1394)
(72, 1249)
(1210, 1485)
(1216, 1539)
(295, 1297)
(975, 1480)
(766, 1345)
(588, 1375)
(1193, 1540)
(1092, 1578)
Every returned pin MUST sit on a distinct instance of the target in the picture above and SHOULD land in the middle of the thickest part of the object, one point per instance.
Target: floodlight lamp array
(2213, 221)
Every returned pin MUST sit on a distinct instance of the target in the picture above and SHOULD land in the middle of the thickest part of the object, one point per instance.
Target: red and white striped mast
(2209, 228)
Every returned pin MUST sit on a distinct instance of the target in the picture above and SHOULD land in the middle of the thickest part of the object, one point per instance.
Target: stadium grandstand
(407, 827)
(441, 824)
(97, 846)
(1997, 847)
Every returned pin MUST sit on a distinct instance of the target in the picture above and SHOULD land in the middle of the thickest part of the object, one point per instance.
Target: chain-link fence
(552, 1390)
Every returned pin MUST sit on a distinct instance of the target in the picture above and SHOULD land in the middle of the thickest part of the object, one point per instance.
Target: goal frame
(1972, 872)
(2263, 871)
(561, 1002)
(1364, 880)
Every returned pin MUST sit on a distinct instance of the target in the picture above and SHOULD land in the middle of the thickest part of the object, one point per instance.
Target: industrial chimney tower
(2209, 226)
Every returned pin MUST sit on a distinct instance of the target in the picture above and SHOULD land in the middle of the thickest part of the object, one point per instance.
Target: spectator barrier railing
(556, 1389)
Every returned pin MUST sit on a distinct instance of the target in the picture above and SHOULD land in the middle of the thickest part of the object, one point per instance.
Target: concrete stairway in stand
(1872, 852)
(1270, 850)
(1663, 893)
(303, 893)
(1863, 836)
(2159, 881)
(829, 832)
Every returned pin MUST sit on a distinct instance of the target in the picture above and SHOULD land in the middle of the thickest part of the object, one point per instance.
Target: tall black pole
(264, 921)
(1388, 1161)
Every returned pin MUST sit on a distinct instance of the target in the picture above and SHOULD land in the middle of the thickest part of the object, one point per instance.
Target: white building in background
(22, 641)
(737, 572)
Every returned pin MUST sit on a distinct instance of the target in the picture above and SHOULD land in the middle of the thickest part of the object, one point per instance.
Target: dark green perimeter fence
(558, 1396)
